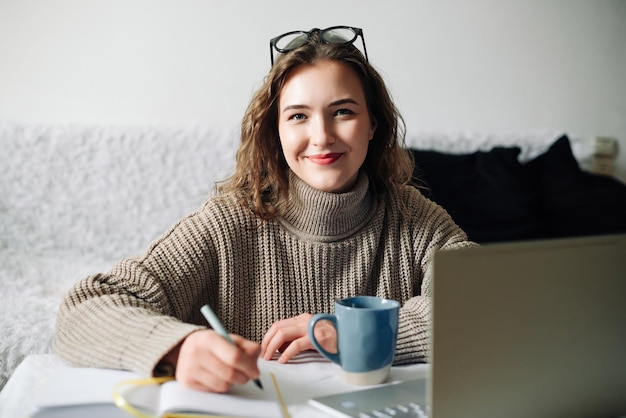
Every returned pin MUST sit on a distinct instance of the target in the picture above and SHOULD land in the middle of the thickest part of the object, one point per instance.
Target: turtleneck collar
(322, 216)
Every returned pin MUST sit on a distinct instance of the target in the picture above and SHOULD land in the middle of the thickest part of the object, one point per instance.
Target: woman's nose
(322, 132)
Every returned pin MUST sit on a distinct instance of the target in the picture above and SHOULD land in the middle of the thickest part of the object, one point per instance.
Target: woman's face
(324, 125)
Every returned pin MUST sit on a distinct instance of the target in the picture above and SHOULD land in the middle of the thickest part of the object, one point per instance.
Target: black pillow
(486, 193)
(574, 202)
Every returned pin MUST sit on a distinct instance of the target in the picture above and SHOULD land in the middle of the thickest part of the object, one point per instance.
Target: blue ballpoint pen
(219, 328)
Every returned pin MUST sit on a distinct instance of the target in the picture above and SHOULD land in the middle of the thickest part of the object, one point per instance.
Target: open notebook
(527, 329)
(87, 392)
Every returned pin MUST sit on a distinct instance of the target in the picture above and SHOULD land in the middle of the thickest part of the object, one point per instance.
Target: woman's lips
(325, 159)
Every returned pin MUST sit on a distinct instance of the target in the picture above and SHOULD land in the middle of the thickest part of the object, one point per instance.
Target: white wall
(479, 65)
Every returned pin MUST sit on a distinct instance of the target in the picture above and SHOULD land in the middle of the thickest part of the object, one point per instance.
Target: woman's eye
(343, 112)
(297, 116)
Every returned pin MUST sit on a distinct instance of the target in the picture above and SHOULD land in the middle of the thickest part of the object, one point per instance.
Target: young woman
(319, 207)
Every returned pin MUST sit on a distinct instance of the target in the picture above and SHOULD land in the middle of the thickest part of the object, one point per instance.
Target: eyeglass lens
(291, 41)
(339, 35)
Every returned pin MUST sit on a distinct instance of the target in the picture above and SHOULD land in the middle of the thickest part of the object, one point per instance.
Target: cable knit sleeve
(130, 317)
(433, 229)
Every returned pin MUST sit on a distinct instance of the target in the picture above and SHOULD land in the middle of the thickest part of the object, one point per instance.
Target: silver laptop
(527, 329)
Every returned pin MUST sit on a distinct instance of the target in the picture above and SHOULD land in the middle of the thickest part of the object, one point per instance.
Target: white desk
(23, 389)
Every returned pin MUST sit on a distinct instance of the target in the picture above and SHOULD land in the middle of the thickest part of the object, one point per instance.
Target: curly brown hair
(261, 174)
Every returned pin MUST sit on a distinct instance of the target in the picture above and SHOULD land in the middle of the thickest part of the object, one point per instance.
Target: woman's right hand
(207, 361)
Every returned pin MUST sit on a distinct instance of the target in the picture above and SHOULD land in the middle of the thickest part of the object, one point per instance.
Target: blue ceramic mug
(367, 332)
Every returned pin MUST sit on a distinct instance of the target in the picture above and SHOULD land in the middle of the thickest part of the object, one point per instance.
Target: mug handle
(334, 357)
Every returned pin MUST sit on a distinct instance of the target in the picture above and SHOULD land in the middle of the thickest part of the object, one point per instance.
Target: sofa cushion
(574, 202)
(487, 193)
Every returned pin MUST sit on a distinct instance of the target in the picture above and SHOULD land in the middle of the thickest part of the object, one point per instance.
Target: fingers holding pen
(209, 362)
(247, 362)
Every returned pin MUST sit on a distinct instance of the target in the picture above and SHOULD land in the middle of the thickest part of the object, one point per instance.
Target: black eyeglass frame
(356, 31)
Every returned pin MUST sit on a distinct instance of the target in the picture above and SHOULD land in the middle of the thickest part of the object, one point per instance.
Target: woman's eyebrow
(294, 107)
(342, 102)
(331, 104)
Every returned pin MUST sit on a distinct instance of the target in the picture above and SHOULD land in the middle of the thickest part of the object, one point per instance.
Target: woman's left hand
(290, 337)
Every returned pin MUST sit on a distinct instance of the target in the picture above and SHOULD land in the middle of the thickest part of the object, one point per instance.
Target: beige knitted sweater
(253, 273)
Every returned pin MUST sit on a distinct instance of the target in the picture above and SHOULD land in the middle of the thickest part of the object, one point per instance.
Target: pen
(219, 328)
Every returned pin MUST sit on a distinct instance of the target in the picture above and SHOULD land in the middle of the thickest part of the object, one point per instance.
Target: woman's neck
(321, 216)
